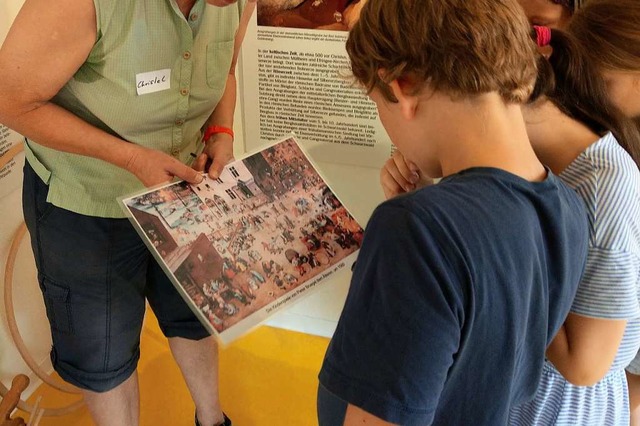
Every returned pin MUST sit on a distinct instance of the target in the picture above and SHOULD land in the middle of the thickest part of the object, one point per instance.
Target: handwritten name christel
(154, 80)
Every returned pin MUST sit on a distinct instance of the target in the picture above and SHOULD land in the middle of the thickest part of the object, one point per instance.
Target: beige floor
(268, 378)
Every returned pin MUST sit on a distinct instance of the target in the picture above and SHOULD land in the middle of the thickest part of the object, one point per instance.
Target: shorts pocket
(35, 193)
(44, 211)
(219, 55)
(56, 300)
(43, 207)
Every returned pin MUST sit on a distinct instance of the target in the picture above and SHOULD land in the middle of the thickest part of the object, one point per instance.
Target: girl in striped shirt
(611, 31)
(596, 151)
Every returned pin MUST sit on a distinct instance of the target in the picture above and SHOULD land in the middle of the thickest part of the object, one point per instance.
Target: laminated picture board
(241, 247)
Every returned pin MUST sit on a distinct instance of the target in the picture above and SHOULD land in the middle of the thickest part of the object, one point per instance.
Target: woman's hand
(154, 167)
(217, 153)
(399, 175)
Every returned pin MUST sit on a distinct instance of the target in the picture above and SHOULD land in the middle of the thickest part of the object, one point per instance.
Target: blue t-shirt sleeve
(400, 327)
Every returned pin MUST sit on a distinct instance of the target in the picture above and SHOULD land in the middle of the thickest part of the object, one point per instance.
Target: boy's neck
(482, 132)
(556, 138)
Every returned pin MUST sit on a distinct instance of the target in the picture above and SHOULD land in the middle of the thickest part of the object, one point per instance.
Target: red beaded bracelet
(212, 130)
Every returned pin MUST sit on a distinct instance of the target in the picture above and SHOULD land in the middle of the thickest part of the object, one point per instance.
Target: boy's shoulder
(485, 189)
(482, 202)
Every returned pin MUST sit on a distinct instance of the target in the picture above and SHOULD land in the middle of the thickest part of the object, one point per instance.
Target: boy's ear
(404, 92)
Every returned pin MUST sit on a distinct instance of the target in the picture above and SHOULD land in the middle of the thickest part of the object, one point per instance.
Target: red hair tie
(543, 35)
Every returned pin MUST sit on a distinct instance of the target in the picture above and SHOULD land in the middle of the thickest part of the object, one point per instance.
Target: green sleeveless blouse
(135, 37)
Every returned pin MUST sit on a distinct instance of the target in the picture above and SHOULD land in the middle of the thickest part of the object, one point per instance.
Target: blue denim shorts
(95, 274)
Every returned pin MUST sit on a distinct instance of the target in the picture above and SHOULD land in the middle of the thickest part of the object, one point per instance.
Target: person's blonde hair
(462, 47)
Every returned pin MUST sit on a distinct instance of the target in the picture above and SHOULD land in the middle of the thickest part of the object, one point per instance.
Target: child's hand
(400, 175)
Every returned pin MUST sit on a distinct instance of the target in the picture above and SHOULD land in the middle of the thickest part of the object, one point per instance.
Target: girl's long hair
(571, 80)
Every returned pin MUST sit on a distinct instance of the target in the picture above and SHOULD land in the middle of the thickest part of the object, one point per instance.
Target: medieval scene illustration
(336, 15)
(236, 244)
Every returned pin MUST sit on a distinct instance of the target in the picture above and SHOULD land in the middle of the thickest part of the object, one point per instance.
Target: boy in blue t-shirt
(459, 287)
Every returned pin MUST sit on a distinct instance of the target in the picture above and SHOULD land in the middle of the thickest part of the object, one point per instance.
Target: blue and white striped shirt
(608, 180)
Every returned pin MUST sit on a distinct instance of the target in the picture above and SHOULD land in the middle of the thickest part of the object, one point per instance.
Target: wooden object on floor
(10, 401)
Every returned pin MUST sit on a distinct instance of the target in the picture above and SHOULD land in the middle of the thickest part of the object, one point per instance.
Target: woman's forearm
(56, 128)
(224, 112)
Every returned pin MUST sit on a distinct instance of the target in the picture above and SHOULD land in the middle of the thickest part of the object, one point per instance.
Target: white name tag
(154, 81)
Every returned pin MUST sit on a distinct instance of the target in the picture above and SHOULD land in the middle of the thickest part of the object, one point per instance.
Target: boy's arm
(400, 327)
(584, 348)
(357, 416)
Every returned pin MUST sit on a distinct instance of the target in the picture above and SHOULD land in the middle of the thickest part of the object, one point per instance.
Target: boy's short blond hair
(462, 47)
